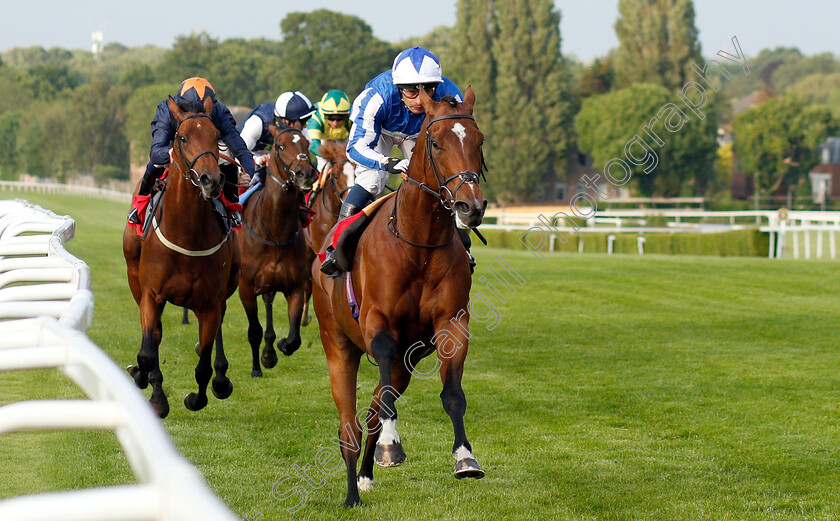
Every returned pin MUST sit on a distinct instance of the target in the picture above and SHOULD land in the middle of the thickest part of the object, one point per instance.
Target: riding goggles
(412, 91)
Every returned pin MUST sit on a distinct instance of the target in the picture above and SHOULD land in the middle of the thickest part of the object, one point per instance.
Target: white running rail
(42, 323)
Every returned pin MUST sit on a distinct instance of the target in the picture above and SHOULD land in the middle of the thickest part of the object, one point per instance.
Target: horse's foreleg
(249, 303)
(222, 386)
(148, 359)
(343, 364)
(389, 451)
(294, 301)
(208, 327)
(269, 355)
(400, 376)
(451, 355)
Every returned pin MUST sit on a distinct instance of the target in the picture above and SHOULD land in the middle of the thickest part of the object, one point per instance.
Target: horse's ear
(273, 129)
(175, 109)
(426, 100)
(469, 98)
(208, 105)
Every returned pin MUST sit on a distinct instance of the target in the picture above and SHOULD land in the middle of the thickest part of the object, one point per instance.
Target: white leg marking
(389, 433)
(461, 132)
(462, 453)
(364, 484)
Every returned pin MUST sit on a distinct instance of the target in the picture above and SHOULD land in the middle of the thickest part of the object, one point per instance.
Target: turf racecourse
(619, 387)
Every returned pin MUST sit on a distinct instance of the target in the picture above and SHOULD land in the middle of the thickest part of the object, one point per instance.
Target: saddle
(349, 231)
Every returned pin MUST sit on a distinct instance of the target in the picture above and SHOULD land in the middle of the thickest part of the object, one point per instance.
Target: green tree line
(67, 112)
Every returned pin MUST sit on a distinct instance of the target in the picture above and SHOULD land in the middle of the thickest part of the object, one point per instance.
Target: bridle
(338, 193)
(444, 194)
(291, 168)
(190, 165)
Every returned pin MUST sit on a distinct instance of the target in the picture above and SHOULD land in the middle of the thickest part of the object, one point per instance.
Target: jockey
(388, 112)
(330, 122)
(292, 108)
(190, 96)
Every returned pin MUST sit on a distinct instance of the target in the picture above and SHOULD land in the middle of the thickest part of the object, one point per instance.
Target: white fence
(793, 234)
(45, 307)
(56, 188)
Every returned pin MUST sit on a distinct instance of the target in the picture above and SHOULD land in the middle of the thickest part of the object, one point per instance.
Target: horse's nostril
(463, 208)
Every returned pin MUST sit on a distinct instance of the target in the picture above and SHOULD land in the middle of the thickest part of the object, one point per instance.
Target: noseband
(291, 168)
(444, 194)
(190, 165)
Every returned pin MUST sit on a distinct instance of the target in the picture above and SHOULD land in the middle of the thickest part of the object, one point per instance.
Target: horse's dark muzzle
(210, 189)
(470, 213)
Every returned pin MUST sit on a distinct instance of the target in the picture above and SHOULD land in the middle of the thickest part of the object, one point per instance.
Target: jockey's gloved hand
(395, 166)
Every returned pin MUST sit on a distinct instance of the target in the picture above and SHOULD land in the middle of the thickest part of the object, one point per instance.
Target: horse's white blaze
(389, 433)
(295, 138)
(459, 223)
(462, 453)
(364, 484)
(461, 132)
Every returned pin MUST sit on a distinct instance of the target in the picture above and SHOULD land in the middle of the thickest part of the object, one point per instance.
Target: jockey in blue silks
(190, 97)
(292, 108)
(388, 112)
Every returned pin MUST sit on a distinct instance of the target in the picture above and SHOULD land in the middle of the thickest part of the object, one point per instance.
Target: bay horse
(188, 260)
(412, 282)
(274, 251)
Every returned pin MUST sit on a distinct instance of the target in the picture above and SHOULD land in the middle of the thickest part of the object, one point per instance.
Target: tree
(325, 50)
(597, 78)
(820, 89)
(232, 73)
(473, 61)
(777, 141)
(606, 123)
(95, 132)
(190, 56)
(530, 128)
(9, 126)
(657, 42)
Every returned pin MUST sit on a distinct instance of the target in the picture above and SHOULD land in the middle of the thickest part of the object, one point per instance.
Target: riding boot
(465, 238)
(329, 266)
(141, 200)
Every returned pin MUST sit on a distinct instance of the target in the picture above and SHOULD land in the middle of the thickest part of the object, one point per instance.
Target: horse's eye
(281, 147)
(182, 138)
(435, 144)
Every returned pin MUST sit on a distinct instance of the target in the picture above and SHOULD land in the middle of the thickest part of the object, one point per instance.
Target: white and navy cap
(414, 66)
(293, 105)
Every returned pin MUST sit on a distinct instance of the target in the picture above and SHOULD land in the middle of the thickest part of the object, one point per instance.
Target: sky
(586, 26)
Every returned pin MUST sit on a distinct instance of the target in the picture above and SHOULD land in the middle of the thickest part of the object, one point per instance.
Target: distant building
(756, 97)
(825, 177)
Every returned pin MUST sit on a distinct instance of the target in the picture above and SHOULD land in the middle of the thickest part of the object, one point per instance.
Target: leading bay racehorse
(411, 278)
(188, 260)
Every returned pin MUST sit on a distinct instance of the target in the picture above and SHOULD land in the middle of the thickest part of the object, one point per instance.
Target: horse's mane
(193, 106)
(451, 100)
(331, 151)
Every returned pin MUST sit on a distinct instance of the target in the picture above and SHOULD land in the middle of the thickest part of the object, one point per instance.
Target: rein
(191, 164)
(447, 201)
(338, 193)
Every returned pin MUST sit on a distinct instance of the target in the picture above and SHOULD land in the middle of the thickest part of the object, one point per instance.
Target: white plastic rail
(45, 308)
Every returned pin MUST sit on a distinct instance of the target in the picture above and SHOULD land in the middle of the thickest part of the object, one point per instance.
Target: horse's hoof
(269, 358)
(195, 402)
(389, 455)
(222, 390)
(468, 468)
(364, 484)
(141, 379)
(286, 348)
(352, 502)
(256, 373)
(161, 408)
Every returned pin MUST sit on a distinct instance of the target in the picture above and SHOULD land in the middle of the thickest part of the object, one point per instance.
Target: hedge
(738, 243)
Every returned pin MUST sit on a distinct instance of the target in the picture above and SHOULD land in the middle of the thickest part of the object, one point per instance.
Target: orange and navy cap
(196, 89)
